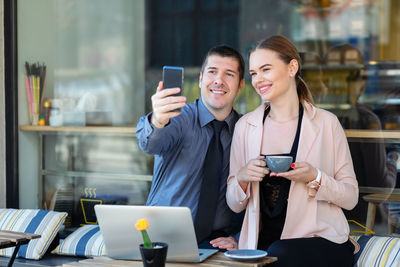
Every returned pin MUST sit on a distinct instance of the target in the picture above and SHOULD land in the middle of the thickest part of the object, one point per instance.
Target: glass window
(344, 47)
(104, 58)
(95, 57)
(94, 62)
(81, 170)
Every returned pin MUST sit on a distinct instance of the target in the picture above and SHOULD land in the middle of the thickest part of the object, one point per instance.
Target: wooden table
(374, 199)
(14, 239)
(216, 260)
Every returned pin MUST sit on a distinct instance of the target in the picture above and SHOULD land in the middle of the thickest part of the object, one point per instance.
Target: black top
(274, 193)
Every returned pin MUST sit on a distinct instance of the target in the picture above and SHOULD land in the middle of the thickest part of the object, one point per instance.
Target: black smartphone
(173, 77)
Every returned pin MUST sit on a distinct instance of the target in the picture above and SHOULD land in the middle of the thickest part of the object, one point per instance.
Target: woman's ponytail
(303, 92)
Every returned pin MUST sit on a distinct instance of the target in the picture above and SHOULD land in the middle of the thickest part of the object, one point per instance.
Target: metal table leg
(11, 261)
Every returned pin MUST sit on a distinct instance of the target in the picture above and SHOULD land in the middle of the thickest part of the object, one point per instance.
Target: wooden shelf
(334, 106)
(80, 129)
(132, 129)
(372, 134)
(103, 175)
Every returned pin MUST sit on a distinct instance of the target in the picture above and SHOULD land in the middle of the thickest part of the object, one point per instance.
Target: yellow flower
(142, 224)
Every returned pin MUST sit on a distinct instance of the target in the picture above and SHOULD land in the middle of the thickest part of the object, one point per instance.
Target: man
(180, 141)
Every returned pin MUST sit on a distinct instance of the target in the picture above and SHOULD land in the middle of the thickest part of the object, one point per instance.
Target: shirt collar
(206, 117)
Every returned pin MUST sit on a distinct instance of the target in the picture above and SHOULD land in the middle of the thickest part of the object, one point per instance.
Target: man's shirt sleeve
(155, 140)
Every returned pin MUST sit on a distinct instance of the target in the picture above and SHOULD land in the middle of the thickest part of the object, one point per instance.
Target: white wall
(2, 116)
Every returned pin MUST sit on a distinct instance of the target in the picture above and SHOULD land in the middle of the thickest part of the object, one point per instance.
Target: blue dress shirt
(180, 149)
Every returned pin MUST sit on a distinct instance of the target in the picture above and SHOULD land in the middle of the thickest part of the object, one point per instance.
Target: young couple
(296, 215)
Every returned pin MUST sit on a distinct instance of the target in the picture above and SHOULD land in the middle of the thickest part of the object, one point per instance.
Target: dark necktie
(209, 192)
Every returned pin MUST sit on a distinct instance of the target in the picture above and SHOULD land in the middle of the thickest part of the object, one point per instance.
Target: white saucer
(246, 254)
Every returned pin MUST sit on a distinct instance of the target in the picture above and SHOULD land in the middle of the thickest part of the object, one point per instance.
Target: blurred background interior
(104, 59)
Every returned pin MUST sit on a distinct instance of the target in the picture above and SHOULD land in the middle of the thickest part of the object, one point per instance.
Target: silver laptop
(172, 225)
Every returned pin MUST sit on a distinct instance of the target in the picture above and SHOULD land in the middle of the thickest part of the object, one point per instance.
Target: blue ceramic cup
(278, 163)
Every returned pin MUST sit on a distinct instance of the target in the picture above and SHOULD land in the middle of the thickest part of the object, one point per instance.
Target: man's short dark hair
(225, 51)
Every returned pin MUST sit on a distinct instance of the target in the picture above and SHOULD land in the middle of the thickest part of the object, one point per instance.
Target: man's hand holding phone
(166, 105)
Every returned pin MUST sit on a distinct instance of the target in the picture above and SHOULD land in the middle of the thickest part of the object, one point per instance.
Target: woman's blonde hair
(286, 51)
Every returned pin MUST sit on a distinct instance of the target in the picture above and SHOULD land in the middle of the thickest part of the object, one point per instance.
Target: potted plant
(153, 254)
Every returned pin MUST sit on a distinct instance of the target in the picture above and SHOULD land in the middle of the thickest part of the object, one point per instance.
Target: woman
(295, 215)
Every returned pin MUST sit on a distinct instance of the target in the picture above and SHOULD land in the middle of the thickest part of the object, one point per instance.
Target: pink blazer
(310, 213)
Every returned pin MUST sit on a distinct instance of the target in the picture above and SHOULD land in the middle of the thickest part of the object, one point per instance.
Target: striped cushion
(43, 222)
(362, 241)
(380, 251)
(85, 241)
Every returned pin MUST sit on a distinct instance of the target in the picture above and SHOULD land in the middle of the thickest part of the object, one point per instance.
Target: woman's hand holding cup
(253, 171)
(302, 172)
